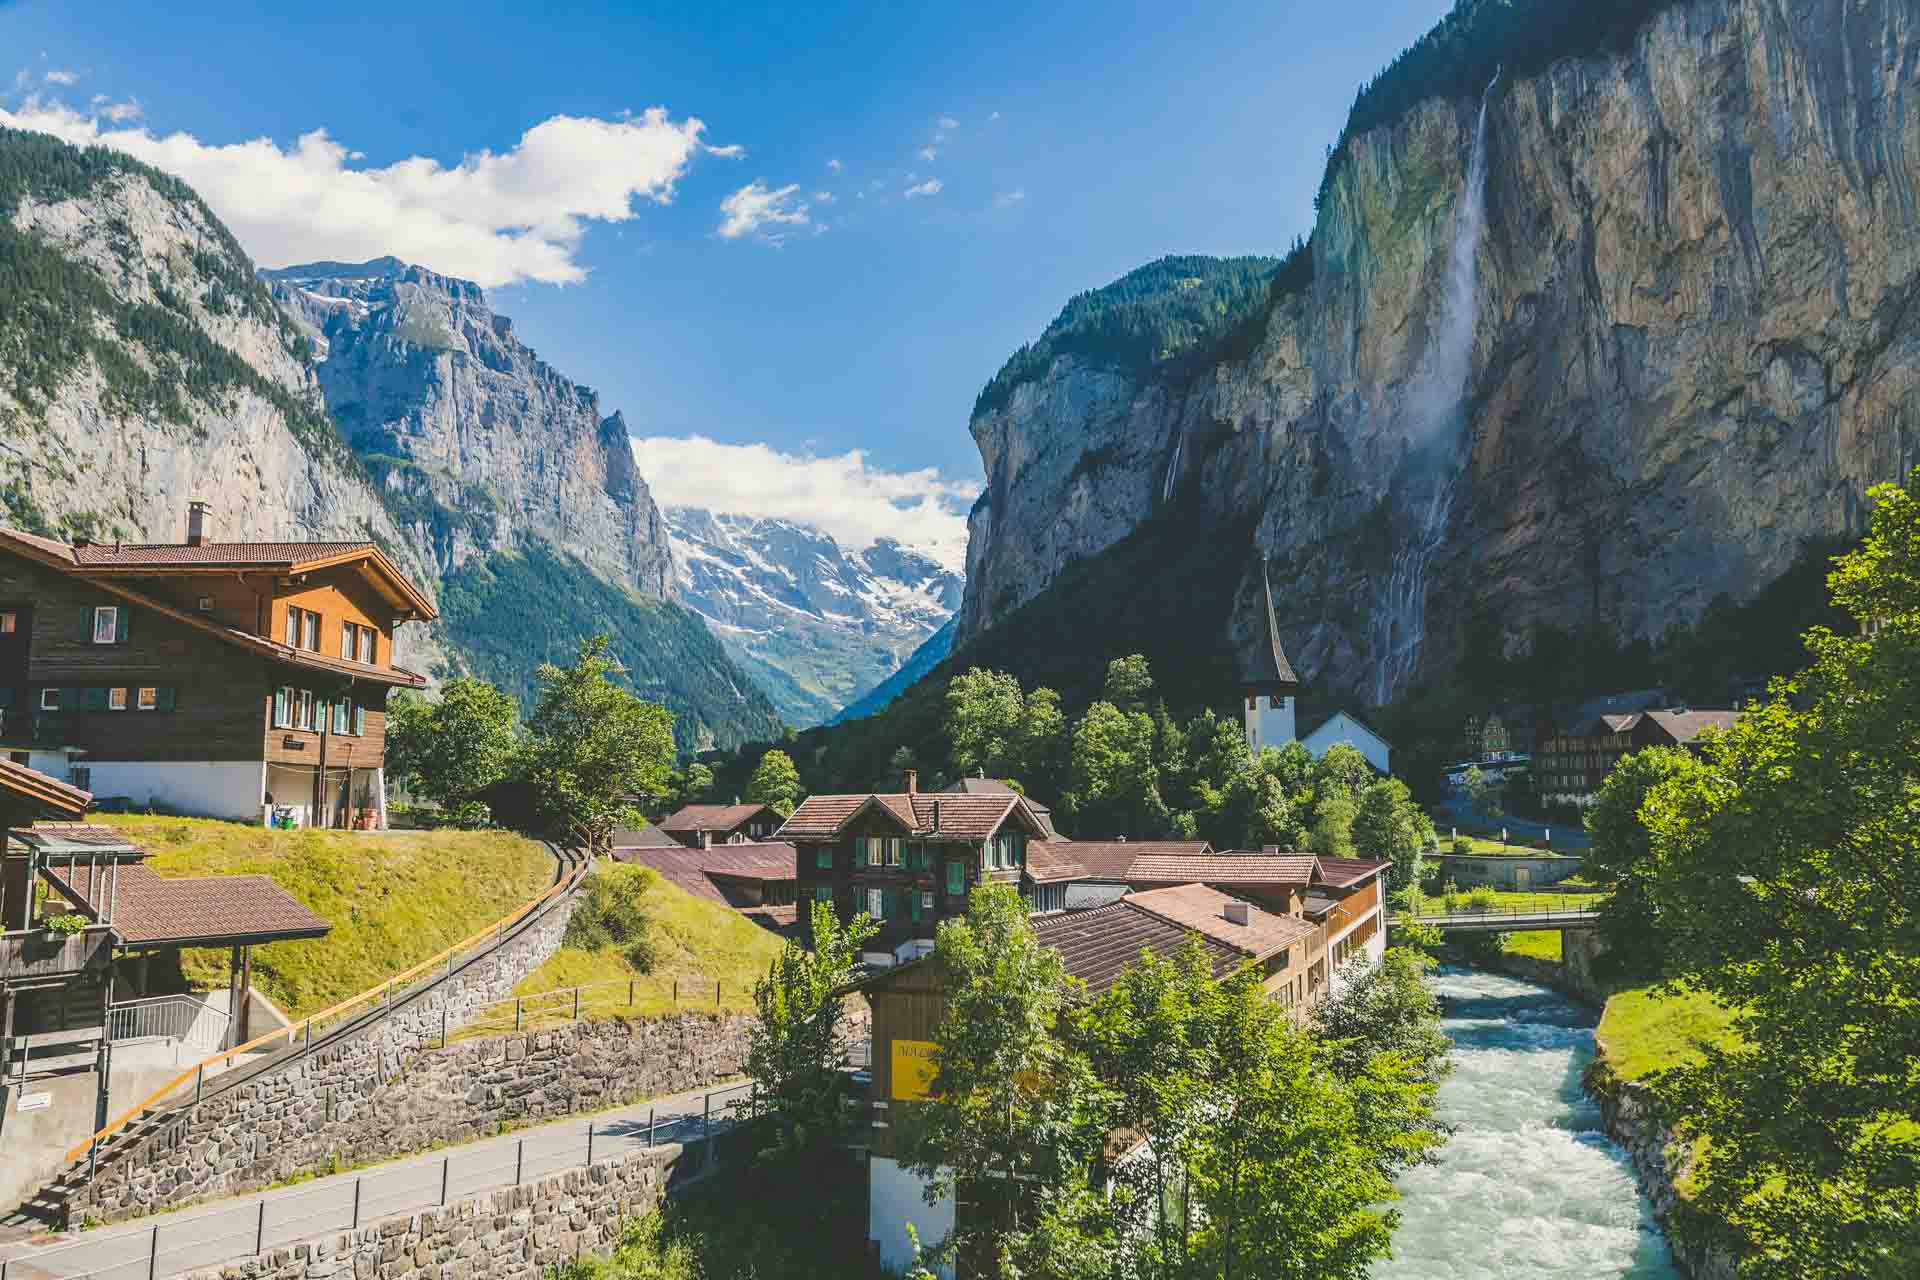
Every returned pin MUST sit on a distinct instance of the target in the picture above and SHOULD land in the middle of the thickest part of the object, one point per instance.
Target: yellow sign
(912, 1069)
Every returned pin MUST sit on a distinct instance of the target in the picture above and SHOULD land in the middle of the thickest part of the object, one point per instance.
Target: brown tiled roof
(1343, 873)
(1112, 859)
(1049, 863)
(1687, 726)
(932, 815)
(150, 908)
(711, 817)
(699, 871)
(1224, 868)
(990, 787)
(42, 793)
(215, 555)
(1098, 945)
(1204, 910)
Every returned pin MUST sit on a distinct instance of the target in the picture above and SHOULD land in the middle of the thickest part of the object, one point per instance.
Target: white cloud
(931, 187)
(834, 164)
(494, 218)
(823, 197)
(60, 75)
(949, 123)
(732, 151)
(756, 209)
(105, 108)
(927, 154)
(844, 495)
(1007, 199)
(993, 117)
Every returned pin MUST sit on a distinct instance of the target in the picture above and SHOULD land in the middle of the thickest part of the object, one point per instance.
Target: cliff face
(141, 367)
(453, 412)
(1693, 345)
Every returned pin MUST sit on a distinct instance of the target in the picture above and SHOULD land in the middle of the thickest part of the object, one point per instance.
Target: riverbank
(1628, 1111)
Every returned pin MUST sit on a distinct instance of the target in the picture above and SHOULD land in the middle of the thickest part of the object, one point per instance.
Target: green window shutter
(93, 699)
(164, 698)
(913, 900)
(823, 893)
(359, 720)
(823, 858)
(69, 699)
(123, 625)
(956, 877)
(859, 851)
(6, 698)
(86, 625)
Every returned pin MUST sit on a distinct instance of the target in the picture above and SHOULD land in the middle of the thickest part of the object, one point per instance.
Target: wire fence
(345, 1202)
(641, 996)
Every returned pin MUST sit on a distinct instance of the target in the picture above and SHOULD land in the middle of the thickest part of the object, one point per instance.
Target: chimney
(706, 839)
(913, 781)
(1239, 912)
(936, 813)
(1271, 850)
(197, 534)
(1119, 839)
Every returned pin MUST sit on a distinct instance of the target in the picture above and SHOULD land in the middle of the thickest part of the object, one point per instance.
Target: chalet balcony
(36, 957)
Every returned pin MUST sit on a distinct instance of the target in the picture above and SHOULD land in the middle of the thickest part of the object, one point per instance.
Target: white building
(1343, 727)
(1271, 689)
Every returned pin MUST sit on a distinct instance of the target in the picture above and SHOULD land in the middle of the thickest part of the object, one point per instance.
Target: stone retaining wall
(480, 1087)
(499, 1235)
(273, 1124)
(1632, 1121)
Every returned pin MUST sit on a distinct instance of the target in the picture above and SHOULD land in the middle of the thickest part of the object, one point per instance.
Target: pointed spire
(1269, 669)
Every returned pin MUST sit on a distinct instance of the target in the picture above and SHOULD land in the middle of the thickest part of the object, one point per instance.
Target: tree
(594, 747)
(795, 1050)
(697, 784)
(1011, 1106)
(1116, 781)
(776, 783)
(453, 749)
(1389, 825)
(1622, 857)
(1342, 768)
(1381, 1033)
(985, 721)
(1332, 833)
(1486, 792)
(1042, 761)
(1786, 884)
(1129, 682)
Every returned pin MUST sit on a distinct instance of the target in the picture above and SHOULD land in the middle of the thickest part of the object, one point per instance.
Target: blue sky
(1052, 147)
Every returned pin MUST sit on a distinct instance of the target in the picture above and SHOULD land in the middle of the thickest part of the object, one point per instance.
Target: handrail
(306, 1024)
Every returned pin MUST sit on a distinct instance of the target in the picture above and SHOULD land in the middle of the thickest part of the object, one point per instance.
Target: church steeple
(1267, 680)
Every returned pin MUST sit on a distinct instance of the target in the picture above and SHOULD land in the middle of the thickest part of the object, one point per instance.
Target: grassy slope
(1643, 1031)
(393, 898)
(699, 942)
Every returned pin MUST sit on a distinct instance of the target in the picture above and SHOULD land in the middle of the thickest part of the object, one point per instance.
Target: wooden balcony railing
(37, 954)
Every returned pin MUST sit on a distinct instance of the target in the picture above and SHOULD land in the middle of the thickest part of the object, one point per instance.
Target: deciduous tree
(1622, 857)
(776, 783)
(453, 749)
(1390, 826)
(594, 748)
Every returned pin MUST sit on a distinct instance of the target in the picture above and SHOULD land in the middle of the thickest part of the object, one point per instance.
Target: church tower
(1268, 683)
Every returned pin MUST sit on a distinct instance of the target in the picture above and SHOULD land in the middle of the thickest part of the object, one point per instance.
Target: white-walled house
(1343, 727)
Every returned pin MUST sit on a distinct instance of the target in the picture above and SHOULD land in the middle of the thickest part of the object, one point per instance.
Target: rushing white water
(1436, 430)
(1528, 1186)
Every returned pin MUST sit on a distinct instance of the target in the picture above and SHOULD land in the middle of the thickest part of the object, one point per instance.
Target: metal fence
(569, 1004)
(344, 1202)
(182, 1017)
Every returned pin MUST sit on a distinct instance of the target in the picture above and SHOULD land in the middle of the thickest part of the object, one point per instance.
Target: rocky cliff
(143, 366)
(1690, 346)
(817, 624)
(452, 412)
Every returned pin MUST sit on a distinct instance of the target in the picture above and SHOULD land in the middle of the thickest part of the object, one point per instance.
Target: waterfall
(1437, 430)
(1173, 466)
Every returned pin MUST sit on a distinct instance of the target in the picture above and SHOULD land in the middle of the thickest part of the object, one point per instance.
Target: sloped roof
(1344, 873)
(712, 817)
(990, 787)
(43, 794)
(645, 836)
(750, 860)
(1349, 715)
(1113, 859)
(1049, 863)
(59, 556)
(1098, 945)
(151, 909)
(1687, 726)
(1204, 910)
(1268, 667)
(701, 871)
(1225, 868)
(929, 815)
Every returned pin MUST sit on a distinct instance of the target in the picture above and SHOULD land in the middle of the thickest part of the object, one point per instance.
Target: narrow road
(210, 1234)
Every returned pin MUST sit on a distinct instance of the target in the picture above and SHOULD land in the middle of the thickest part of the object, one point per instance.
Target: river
(1529, 1185)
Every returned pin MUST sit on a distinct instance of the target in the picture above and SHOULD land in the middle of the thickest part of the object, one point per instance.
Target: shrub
(612, 913)
(66, 925)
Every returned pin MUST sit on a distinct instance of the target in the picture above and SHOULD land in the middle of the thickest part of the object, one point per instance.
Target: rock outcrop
(1694, 347)
(455, 415)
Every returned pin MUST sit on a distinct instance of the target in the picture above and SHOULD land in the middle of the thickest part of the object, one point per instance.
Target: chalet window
(116, 699)
(282, 707)
(342, 715)
(823, 893)
(369, 645)
(303, 709)
(357, 642)
(311, 624)
(887, 851)
(359, 720)
(823, 858)
(956, 877)
(152, 699)
(109, 624)
(303, 628)
(93, 699)
(877, 903)
(347, 632)
(205, 604)
(9, 622)
(49, 699)
(81, 777)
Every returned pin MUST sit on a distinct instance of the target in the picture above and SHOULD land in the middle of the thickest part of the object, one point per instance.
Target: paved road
(207, 1235)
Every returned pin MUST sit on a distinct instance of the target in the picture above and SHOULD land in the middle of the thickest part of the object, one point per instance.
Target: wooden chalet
(224, 679)
(755, 878)
(1572, 764)
(696, 826)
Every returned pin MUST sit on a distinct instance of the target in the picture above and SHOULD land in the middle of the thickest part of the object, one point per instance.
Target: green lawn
(1643, 1031)
(1538, 944)
(393, 898)
(710, 953)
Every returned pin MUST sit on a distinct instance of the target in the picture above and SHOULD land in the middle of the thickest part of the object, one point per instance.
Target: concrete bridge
(1508, 920)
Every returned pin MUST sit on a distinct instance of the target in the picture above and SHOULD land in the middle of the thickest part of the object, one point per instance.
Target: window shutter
(93, 699)
(359, 720)
(6, 698)
(86, 625)
(123, 625)
(956, 877)
(859, 851)
(913, 902)
(823, 858)
(163, 698)
(69, 699)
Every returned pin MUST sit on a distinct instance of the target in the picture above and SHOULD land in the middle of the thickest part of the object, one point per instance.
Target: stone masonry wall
(267, 1128)
(500, 1235)
(477, 1088)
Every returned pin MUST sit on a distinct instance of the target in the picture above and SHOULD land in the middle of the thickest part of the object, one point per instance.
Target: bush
(1462, 845)
(66, 925)
(612, 913)
(1483, 899)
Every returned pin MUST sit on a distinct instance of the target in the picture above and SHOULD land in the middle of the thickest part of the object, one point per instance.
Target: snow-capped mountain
(817, 624)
